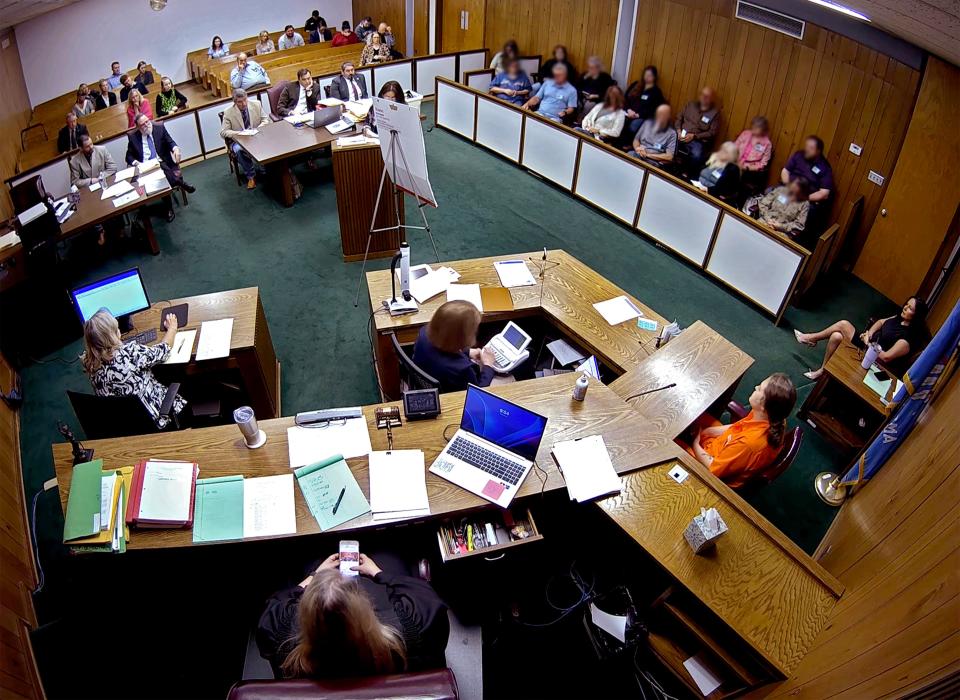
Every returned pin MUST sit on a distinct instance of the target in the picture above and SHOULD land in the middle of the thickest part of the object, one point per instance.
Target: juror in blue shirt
(519, 82)
(555, 98)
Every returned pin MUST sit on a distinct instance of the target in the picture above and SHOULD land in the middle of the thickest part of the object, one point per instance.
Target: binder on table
(82, 518)
(162, 494)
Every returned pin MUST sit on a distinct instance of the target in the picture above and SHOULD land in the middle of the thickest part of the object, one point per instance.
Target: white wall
(78, 42)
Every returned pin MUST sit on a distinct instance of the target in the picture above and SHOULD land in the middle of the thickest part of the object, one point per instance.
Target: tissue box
(696, 536)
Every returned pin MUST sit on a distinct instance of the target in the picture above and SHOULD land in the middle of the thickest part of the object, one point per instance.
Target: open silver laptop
(494, 449)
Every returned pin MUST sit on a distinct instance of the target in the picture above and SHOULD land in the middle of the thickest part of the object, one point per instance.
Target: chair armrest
(171, 394)
(736, 410)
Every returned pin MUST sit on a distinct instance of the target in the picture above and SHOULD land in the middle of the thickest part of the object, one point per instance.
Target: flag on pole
(918, 389)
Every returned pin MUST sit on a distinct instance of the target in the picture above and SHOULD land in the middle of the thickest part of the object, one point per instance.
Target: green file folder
(83, 503)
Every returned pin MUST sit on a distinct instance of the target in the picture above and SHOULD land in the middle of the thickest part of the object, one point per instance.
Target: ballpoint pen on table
(339, 500)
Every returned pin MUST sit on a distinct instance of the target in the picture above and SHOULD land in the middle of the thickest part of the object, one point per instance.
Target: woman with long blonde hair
(137, 105)
(331, 625)
(118, 369)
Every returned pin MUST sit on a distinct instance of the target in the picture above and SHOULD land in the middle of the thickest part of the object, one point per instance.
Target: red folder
(136, 494)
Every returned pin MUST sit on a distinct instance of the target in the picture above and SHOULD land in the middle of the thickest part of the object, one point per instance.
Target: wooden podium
(356, 172)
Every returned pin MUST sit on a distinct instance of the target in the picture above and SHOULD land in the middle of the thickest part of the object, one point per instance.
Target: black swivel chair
(411, 376)
(120, 416)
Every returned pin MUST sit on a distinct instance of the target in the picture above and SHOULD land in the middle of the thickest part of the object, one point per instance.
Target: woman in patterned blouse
(116, 369)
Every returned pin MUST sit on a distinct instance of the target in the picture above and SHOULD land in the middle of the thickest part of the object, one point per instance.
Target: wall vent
(778, 22)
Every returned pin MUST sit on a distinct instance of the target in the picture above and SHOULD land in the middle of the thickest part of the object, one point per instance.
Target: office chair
(411, 376)
(273, 96)
(231, 156)
(788, 453)
(120, 416)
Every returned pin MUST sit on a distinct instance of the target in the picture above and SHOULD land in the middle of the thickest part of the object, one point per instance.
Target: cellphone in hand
(349, 557)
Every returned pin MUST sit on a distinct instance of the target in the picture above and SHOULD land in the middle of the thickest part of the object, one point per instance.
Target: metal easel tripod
(395, 147)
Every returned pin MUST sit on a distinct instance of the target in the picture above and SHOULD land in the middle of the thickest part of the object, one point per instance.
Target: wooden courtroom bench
(320, 58)
(198, 61)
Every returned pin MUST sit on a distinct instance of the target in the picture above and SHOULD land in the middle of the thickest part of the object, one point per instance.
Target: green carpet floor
(228, 238)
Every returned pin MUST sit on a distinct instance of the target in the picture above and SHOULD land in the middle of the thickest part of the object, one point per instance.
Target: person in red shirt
(735, 453)
(345, 36)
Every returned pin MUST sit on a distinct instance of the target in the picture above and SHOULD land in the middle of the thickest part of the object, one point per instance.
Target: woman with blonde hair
(445, 348)
(331, 625)
(136, 106)
(721, 175)
(84, 104)
(376, 50)
(264, 43)
(118, 369)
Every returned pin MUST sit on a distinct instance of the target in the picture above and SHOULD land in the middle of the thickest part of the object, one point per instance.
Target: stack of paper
(349, 438)
(120, 187)
(96, 507)
(586, 468)
(9, 239)
(268, 507)
(514, 273)
(618, 310)
(125, 199)
(145, 167)
(398, 485)
(331, 492)
(162, 494)
(466, 292)
(426, 283)
(215, 339)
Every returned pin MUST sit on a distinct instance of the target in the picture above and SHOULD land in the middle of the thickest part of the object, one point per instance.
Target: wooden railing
(757, 263)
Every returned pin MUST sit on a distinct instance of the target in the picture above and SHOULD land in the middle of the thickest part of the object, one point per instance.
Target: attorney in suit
(348, 85)
(242, 114)
(299, 97)
(151, 140)
(106, 97)
(90, 163)
(68, 139)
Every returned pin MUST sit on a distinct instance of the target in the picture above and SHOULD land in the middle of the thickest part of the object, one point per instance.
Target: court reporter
(118, 369)
(734, 453)
(330, 625)
(898, 337)
(445, 348)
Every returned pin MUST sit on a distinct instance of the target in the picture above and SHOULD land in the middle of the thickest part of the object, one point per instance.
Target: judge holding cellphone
(330, 625)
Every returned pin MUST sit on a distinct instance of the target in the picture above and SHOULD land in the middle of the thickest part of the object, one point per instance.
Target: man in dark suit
(151, 140)
(68, 139)
(299, 97)
(348, 86)
(106, 97)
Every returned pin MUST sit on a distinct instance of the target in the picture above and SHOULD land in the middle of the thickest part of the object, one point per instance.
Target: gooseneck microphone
(651, 391)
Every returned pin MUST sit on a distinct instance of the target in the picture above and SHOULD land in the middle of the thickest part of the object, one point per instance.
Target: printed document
(466, 292)
(618, 310)
(514, 273)
(166, 491)
(349, 438)
(215, 339)
(586, 468)
(398, 484)
(268, 508)
(182, 347)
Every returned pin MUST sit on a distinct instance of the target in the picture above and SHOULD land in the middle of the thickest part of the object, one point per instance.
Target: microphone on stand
(542, 269)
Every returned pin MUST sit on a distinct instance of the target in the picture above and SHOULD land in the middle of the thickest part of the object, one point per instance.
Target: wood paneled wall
(923, 198)
(18, 676)
(421, 27)
(896, 547)
(14, 114)
(585, 28)
(393, 12)
(825, 84)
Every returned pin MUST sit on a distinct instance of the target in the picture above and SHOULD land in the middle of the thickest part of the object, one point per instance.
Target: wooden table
(357, 171)
(91, 210)
(706, 368)
(251, 348)
(840, 400)
(565, 298)
(278, 143)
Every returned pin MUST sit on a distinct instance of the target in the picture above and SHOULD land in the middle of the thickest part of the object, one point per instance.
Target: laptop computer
(324, 116)
(493, 451)
(509, 347)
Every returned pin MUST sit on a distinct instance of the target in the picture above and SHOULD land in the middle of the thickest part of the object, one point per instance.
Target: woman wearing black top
(898, 337)
(169, 99)
(143, 75)
(559, 56)
(643, 98)
(445, 348)
(330, 625)
(593, 86)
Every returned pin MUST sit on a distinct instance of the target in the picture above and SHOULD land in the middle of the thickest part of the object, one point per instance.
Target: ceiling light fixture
(837, 7)
(157, 5)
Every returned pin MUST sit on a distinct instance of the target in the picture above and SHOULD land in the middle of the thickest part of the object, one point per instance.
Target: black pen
(339, 499)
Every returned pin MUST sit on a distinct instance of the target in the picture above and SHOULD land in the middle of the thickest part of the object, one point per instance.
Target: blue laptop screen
(502, 423)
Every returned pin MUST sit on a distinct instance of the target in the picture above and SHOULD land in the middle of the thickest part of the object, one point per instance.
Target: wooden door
(461, 24)
(923, 194)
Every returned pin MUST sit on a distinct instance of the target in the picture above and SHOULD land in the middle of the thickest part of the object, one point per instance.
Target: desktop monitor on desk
(122, 294)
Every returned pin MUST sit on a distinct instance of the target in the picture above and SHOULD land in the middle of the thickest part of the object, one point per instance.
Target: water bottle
(580, 388)
(102, 179)
(870, 356)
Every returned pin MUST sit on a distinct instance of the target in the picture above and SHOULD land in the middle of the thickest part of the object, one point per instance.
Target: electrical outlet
(855, 149)
(876, 178)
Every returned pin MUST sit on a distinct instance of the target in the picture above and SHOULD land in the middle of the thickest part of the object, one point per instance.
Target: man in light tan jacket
(243, 115)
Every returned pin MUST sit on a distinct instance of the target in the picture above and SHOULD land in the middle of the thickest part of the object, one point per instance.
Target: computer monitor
(122, 294)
